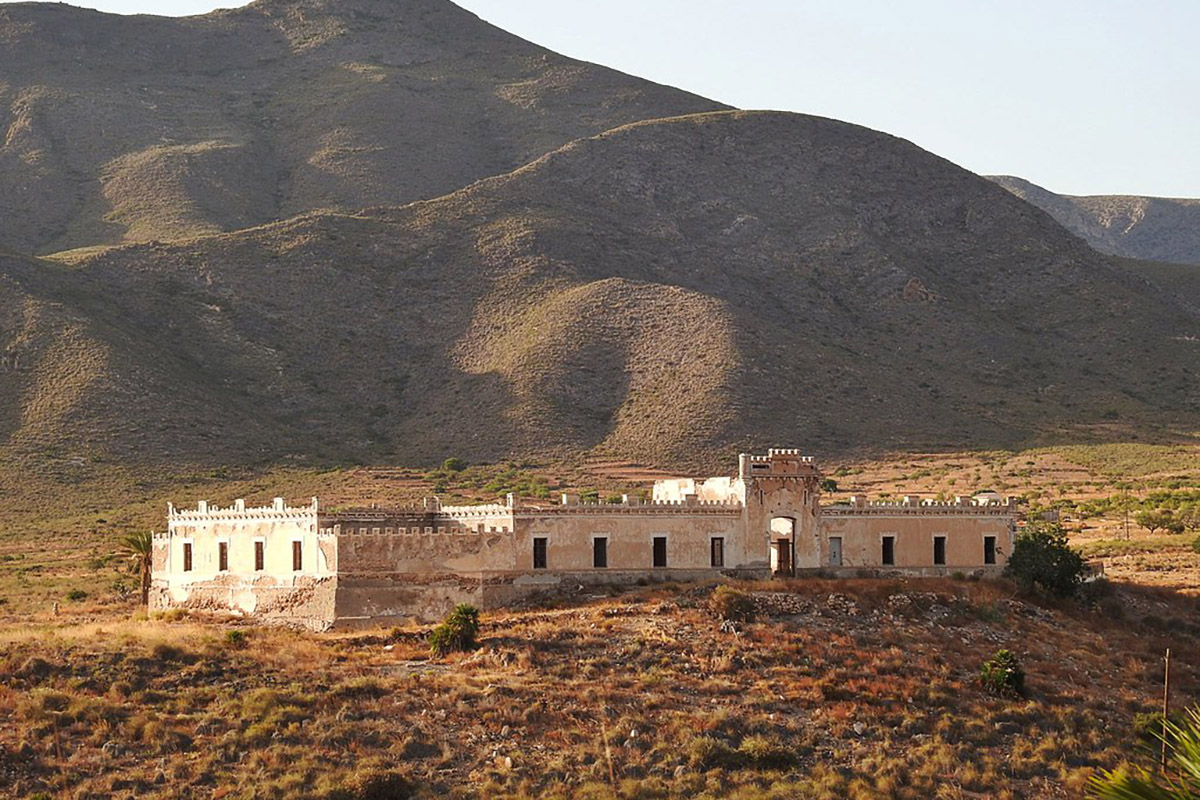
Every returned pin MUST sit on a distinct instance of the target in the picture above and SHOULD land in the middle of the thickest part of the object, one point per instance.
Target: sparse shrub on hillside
(167, 652)
(829, 485)
(1181, 778)
(374, 786)
(1043, 561)
(730, 603)
(76, 595)
(458, 633)
(708, 752)
(1196, 544)
(768, 752)
(1148, 726)
(1095, 593)
(453, 464)
(235, 638)
(1002, 675)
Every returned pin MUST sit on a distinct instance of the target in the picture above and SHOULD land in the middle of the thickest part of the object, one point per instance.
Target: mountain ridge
(630, 294)
(154, 128)
(1160, 229)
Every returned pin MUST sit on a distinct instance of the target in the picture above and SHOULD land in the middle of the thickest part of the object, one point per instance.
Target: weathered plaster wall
(630, 531)
(914, 531)
(303, 597)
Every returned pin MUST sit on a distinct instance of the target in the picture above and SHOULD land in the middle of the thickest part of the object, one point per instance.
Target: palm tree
(139, 546)
(1183, 754)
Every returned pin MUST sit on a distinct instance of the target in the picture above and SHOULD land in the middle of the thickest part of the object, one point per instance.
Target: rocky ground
(832, 689)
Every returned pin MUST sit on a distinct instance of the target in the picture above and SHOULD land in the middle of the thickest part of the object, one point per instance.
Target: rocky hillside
(1148, 228)
(666, 291)
(835, 689)
(117, 129)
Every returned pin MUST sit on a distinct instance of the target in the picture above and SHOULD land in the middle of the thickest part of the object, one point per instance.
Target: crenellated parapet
(690, 505)
(916, 506)
(277, 511)
(782, 464)
(365, 530)
(490, 510)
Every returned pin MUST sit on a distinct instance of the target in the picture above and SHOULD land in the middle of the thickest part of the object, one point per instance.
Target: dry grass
(852, 692)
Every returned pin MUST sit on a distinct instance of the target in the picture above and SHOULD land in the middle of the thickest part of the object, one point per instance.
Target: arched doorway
(783, 546)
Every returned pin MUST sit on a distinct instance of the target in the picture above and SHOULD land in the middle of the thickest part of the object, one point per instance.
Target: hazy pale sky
(1080, 96)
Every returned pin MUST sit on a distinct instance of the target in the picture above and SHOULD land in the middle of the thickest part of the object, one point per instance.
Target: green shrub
(1002, 675)
(1196, 544)
(707, 752)
(1043, 561)
(75, 595)
(768, 752)
(235, 638)
(457, 633)
(729, 603)
(454, 465)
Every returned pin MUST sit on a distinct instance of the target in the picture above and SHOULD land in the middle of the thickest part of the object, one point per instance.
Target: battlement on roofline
(913, 505)
(277, 509)
(720, 495)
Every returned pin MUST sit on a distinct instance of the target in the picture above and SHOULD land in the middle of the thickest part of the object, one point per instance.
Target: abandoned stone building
(316, 568)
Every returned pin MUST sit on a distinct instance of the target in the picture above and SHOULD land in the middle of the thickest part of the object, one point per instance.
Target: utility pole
(1126, 505)
(1166, 705)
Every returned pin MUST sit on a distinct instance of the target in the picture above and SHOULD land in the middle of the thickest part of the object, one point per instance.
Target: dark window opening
(222, 556)
(297, 556)
(939, 550)
(259, 557)
(989, 549)
(539, 552)
(660, 551)
(718, 551)
(889, 551)
(187, 556)
(600, 552)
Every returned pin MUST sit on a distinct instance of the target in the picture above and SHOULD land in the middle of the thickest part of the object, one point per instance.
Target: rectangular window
(187, 556)
(718, 551)
(660, 551)
(600, 552)
(539, 552)
(259, 557)
(939, 550)
(297, 556)
(989, 549)
(222, 556)
(889, 551)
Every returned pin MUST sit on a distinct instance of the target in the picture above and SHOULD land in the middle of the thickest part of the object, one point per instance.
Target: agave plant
(1180, 780)
(139, 546)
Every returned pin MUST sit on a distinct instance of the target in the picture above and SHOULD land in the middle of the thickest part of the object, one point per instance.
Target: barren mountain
(1148, 228)
(665, 291)
(118, 129)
